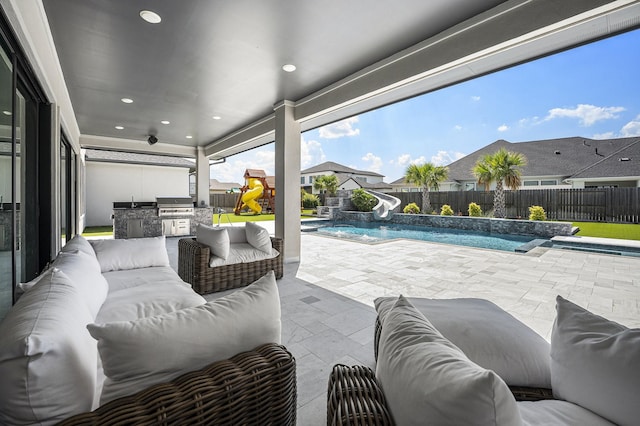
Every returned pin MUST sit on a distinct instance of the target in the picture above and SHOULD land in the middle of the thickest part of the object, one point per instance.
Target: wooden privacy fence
(621, 205)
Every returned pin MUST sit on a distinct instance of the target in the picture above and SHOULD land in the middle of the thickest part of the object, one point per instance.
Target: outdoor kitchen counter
(144, 221)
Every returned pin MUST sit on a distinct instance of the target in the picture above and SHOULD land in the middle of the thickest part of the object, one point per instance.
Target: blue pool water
(374, 232)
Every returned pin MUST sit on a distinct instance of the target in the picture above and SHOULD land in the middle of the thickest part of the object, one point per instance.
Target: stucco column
(202, 177)
(287, 161)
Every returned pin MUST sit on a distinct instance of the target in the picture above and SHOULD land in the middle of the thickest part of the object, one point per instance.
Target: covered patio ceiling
(224, 59)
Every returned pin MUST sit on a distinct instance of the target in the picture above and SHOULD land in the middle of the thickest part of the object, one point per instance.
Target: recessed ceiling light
(189, 137)
(7, 112)
(119, 127)
(165, 122)
(289, 67)
(150, 17)
(127, 100)
(217, 117)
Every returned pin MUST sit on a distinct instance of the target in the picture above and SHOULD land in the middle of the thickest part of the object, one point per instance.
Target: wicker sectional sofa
(111, 328)
(497, 372)
(194, 258)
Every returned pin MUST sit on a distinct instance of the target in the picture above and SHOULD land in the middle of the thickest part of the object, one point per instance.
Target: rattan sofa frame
(354, 396)
(193, 267)
(250, 388)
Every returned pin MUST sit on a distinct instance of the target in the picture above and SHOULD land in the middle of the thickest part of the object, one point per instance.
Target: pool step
(531, 245)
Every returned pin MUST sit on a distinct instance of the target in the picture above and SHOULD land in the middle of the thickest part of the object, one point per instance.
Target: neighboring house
(574, 162)
(401, 185)
(119, 176)
(348, 178)
(217, 187)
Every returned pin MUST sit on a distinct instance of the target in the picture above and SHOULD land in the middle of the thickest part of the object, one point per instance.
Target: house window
(470, 186)
(310, 180)
(530, 183)
(301, 180)
(549, 182)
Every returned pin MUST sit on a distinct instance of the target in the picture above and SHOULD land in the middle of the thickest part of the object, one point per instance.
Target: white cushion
(216, 238)
(595, 363)
(242, 253)
(47, 357)
(79, 242)
(237, 234)
(553, 412)
(488, 335)
(133, 253)
(137, 354)
(428, 380)
(258, 237)
(123, 280)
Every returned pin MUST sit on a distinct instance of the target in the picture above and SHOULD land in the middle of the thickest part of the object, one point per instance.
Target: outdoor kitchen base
(149, 219)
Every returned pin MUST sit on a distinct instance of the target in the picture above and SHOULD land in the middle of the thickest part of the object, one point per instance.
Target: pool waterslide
(386, 205)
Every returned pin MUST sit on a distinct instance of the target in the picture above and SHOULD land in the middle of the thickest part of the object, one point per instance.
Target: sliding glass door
(6, 183)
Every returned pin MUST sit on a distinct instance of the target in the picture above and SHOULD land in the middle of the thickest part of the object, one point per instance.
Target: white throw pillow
(48, 360)
(216, 238)
(137, 354)
(427, 379)
(488, 336)
(133, 253)
(595, 363)
(258, 237)
(79, 242)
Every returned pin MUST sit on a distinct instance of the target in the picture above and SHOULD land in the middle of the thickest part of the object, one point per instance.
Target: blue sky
(591, 91)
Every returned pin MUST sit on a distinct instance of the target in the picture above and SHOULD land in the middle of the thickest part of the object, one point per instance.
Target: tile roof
(105, 156)
(552, 157)
(330, 166)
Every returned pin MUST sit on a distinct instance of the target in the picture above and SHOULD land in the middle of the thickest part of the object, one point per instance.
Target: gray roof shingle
(330, 166)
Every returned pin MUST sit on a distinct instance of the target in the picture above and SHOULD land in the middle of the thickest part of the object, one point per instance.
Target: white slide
(386, 205)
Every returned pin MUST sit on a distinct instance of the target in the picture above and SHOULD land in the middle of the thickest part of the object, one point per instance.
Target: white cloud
(442, 158)
(632, 128)
(405, 159)
(340, 129)
(586, 114)
(311, 153)
(475, 98)
(457, 127)
(503, 128)
(375, 162)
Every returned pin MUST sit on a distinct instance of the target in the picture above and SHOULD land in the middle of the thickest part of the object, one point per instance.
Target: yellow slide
(249, 198)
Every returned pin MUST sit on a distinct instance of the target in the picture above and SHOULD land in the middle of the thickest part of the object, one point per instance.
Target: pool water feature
(372, 232)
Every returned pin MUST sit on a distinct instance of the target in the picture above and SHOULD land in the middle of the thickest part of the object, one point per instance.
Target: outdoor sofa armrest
(193, 267)
(355, 398)
(254, 387)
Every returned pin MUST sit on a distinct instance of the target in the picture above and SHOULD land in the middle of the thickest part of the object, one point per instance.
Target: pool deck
(327, 299)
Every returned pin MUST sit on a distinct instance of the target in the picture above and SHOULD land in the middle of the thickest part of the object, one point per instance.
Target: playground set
(257, 194)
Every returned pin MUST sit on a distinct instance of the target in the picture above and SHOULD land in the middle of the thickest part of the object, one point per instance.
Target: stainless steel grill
(174, 206)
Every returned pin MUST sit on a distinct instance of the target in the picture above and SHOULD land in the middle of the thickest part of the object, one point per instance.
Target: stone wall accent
(152, 223)
(545, 229)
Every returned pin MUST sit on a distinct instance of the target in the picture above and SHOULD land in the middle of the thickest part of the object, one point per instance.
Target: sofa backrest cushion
(488, 336)
(79, 242)
(137, 354)
(48, 360)
(216, 238)
(237, 234)
(595, 363)
(427, 379)
(133, 253)
(258, 237)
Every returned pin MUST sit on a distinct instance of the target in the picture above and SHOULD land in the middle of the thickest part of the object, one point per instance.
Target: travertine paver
(327, 299)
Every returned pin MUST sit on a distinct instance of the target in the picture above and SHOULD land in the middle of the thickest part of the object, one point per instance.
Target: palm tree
(327, 182)
(427, 176)
(503, 168)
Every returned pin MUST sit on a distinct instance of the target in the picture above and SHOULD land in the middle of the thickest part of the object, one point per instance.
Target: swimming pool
(372, 232)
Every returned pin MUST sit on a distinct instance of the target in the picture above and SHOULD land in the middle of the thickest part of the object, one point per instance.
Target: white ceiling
(224, 58)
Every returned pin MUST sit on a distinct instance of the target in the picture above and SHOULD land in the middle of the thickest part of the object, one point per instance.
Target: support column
(202, 177)
(287, 162)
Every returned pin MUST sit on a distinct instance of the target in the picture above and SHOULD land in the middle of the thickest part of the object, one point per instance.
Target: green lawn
(608, 230)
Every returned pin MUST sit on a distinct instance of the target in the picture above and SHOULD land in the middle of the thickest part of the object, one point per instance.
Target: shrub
(475, 210)
(363, 201)
(310, 201)
(446, 210)
(411, 208)
(537, 213)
